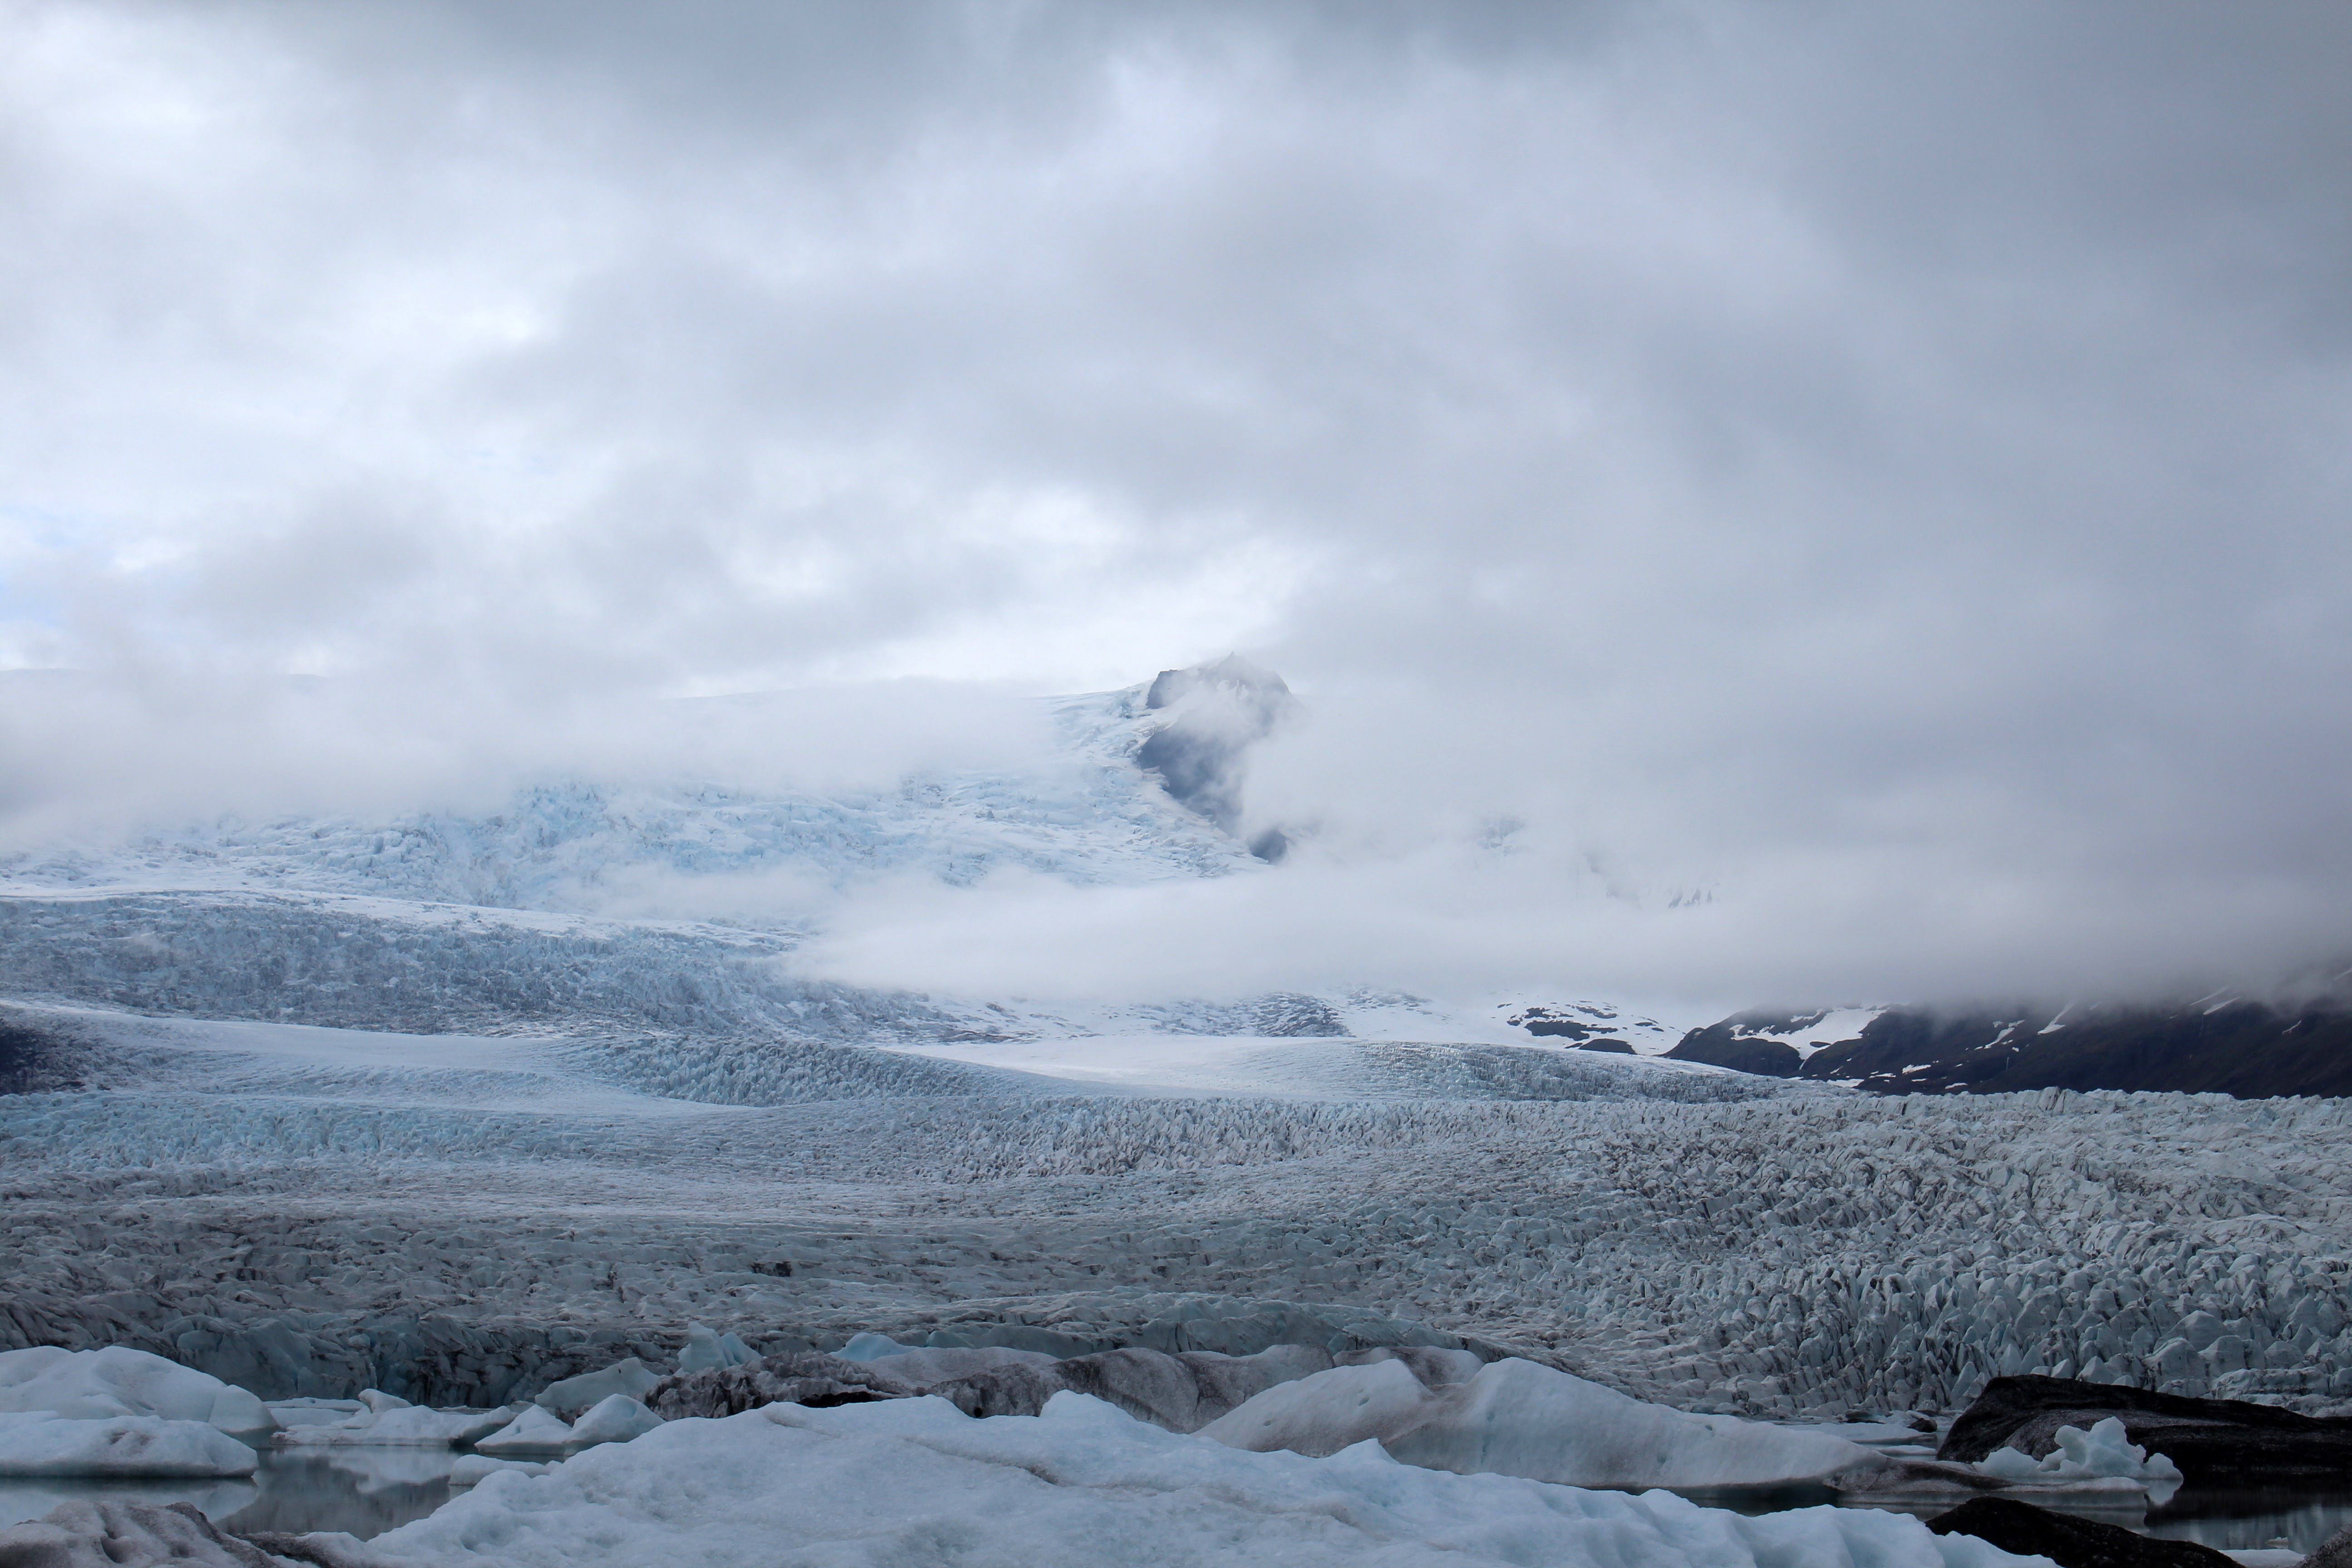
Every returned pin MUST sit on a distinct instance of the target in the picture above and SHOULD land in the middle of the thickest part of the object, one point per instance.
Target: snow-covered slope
(568, 909)
(1089, 813)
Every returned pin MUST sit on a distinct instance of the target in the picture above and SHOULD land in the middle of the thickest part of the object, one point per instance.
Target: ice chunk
(914, 1481)
(120, 1381)
(614, 1420)
(533, 1431)
(313, 1412)
(36, 1442)
(410, 1425)
(709, 1351)
(1326, 1412)
(574, 1394)
(1517, 1418)
(472, 1469)
(2103, 1453)
(865, 1347)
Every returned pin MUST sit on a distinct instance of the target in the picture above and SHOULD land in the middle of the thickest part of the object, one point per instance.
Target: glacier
(455, 1109)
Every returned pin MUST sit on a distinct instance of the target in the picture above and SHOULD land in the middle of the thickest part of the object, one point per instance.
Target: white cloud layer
(1883, 465)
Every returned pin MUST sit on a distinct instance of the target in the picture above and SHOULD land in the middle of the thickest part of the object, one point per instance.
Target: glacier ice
(707, 1350)
(1765, 1257)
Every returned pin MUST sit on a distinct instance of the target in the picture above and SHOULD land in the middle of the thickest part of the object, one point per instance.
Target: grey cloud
(1882, 463)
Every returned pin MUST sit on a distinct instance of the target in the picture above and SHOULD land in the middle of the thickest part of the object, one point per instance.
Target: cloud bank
(1879, 467)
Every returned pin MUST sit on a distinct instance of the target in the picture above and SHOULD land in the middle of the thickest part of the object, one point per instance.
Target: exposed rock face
(1731, 1044)
(2216, 1442)
(2069, 1541)
(107, 1534)
(1216, 712)
(2249, 1049)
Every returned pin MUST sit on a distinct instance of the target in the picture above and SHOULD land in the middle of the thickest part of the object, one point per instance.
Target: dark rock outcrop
(2250, 1049)
(1216, 712)
(1733, 1044)
(2069, 1541)
(2215, 1442)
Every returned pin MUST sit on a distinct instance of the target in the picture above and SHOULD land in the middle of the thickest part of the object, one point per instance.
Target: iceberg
(573, 1395)
(916, 1480)
(617, 1419)
(37, 1443)
(410, 1425)
(120, 1381)
(472, 1469)
(535, 1431)
(2104, 1454)
(707, 1350)
(1514, 1417)
(119, 1532)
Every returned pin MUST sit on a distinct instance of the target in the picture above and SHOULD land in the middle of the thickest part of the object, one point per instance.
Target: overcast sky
(1882, 467)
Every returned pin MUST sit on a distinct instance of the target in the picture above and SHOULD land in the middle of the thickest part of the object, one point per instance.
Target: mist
(1826, 502)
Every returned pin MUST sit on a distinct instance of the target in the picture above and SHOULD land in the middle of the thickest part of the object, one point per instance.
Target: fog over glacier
(1823, 503)
(1196, 780)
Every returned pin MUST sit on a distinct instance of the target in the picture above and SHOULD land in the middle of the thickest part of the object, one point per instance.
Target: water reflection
(364, 1490)
(24, 1499)
(2234, 1521)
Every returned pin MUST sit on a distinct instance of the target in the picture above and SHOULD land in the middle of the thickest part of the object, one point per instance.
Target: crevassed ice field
(324, 1104)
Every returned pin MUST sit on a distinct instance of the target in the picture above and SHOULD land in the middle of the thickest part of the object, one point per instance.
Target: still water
(364, 1490)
